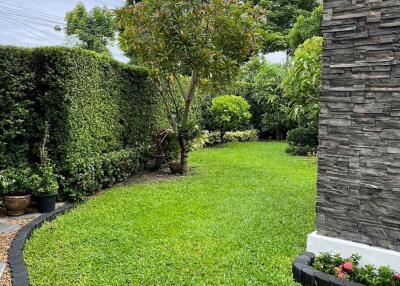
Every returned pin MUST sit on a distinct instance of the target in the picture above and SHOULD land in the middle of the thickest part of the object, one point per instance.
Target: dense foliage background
(101, 115)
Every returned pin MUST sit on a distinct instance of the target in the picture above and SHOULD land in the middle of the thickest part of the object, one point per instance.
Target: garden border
(19, 274)
(306, 275)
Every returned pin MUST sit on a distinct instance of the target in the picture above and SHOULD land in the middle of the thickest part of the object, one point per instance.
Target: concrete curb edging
(19, 275)
(306, 275)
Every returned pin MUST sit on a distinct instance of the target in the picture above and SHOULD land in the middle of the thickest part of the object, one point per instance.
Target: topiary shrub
(302, 141)
(229, 113)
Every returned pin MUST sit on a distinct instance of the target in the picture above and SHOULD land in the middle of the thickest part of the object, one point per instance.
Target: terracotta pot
(16, 205)
(175, 167)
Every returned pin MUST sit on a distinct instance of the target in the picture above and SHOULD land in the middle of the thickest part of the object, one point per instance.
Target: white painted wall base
(370, 255)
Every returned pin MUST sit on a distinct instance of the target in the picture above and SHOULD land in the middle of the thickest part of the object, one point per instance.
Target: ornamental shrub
(86, 176)
(46, 182)
(230, 113)
(17, 181)
(100, 114)
(302, 141)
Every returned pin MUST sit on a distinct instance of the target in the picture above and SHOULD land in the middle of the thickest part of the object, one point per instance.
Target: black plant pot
(46, 204)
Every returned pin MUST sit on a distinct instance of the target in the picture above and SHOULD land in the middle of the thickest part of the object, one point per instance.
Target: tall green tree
(306, 28)
(302, 82)
(280, 18)
(204, 40)
(261, 86)
(95, 29)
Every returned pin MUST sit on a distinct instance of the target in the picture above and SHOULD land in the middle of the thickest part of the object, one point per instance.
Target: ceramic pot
(16, 205)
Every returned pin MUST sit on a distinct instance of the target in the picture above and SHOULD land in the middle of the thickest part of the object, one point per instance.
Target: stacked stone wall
(359, 153)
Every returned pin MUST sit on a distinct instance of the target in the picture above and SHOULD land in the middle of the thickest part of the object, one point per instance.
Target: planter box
(306, 275)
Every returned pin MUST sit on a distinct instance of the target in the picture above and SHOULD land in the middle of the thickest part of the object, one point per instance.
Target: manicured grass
(239, 220)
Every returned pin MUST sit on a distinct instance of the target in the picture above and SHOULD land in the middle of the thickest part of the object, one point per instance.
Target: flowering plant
(350, 269)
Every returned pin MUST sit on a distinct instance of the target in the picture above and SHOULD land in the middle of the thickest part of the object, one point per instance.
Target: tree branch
(168, 110)
(189, 97)
(173, 99)
(181, 89)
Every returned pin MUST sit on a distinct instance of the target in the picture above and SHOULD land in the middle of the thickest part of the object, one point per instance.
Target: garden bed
(306, 275)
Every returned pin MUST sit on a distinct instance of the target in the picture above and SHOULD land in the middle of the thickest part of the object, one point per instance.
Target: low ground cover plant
(212, 138)
(350, 269)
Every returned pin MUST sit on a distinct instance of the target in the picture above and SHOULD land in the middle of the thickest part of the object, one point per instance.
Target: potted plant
(15, 188)
(45, 189)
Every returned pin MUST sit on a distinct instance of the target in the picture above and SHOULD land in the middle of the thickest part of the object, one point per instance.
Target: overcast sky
(30, 23)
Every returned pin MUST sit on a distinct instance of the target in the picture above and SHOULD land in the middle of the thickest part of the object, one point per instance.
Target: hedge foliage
(16, 105)
(93, 107)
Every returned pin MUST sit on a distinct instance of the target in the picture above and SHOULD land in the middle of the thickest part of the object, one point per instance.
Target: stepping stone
(2, 267)
(7, 228)
(60, 204)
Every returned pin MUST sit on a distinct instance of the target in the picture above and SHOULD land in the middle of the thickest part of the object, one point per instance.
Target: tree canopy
(281, 16)
(95, 29)
(306, 28)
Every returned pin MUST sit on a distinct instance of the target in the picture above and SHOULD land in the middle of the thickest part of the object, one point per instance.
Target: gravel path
(6, 238)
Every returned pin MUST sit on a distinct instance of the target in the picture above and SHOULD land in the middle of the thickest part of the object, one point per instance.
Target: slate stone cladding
(359, 153)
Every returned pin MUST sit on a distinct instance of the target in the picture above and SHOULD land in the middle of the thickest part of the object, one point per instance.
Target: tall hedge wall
(92, 105)
(17, 84)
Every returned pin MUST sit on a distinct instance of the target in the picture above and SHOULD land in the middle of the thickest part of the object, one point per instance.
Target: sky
(31, 23)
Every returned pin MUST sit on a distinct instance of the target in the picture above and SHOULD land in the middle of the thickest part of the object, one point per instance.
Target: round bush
(230, 112)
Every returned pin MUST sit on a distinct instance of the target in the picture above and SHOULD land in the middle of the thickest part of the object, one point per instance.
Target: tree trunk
(183, 133)
(184, 146)
(222, 133)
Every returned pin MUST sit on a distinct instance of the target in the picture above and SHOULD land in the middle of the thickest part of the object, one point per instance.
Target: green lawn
(239, 220)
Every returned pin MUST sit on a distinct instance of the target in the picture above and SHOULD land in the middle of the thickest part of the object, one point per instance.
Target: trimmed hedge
(94, 107)
(87, 176)
(17, 84)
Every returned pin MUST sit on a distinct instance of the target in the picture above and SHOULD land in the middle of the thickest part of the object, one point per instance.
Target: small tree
(230, 113)
(176, 38)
